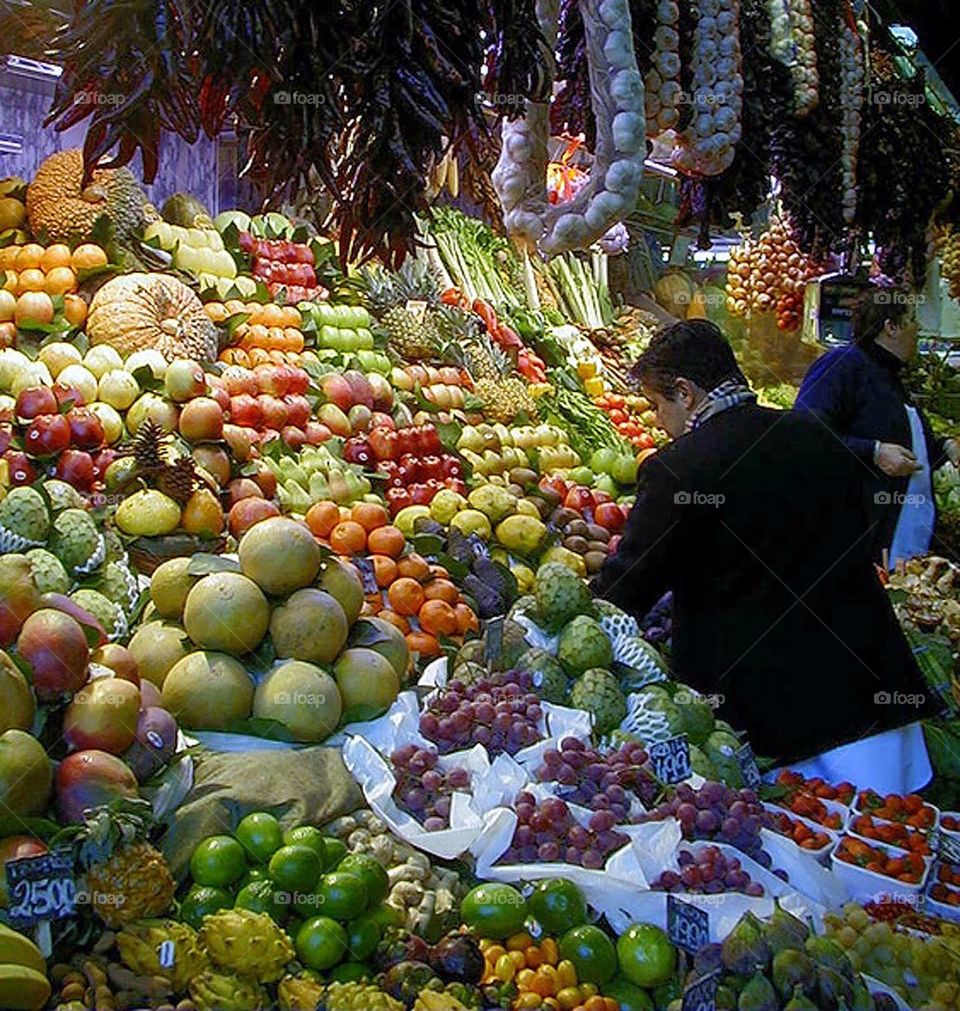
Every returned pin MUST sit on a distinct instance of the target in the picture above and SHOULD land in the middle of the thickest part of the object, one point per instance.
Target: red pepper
(452, 296)
(507, 337)
(487, 313)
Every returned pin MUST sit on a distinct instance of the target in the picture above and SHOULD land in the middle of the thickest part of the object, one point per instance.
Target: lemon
(148, 513)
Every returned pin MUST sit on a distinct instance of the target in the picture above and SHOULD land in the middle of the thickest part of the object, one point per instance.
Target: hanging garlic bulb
(851, 104)
(948, 247)
(662, 88)
(707, 146)
(792, 44)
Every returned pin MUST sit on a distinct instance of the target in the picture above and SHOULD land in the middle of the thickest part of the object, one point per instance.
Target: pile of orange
(268, 330)
(51, 269)
(417, 597)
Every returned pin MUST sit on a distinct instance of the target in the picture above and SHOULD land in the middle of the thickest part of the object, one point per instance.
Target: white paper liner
(96, 559)
(15, 544)
(876, 986)
(821, 855)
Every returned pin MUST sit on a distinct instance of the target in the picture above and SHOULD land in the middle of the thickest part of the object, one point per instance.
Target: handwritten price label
(671, 759)
(701, 995)
(40, 888)
(687, 926)
(748, 767)
(948, 847)
(494, 641)
(367, 575)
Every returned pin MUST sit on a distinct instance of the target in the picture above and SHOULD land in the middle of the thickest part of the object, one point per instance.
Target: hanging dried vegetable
(792, 43)
(851, 102)
(519, 58)
(571, 112)
(662, 88)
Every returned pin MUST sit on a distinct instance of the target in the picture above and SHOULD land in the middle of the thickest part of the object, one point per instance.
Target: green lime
(646, 955)
(557, 904)
(321, 943)
(342, 896)
(592, 953)
(363, 935)
(307, 835)
(494, 910)
(386, 916)
(335, 852)
(350, 972)
(629, 997)
(253, 874)
(202, 900)
(261, 897)
(370, 871)
(260, 835)
(295, 868)
(217, 861)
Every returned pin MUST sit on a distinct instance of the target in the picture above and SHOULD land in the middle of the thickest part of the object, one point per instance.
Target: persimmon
(390, 541)
(414, 566)
(439, 572)
(28, 257)
(442, 589)
(370, 516)
(438, 618)
(348, 538)
(467, 620)
(216, 311)
(57, 255)
(322, 517)
(423, 643)
(397, 620)
(405, 595)
(59, 281)
(291, 316)
(384, 570)
(88, 256)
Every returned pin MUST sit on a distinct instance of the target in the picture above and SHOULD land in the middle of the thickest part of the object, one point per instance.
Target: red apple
(47, 435)
(294, 437)
(220, 395)
(360, 387)
(88, 779)
(246, 410)
(317, 433)
(337, 391)
(86, 429)
(274, 411)
(610, 516)
(120, 661)
(382, 420)
(241, 488)
(298, 409)
(103, 714)
(338, 423)
(102, 461)
(615, 542)
(34, 401)
(6, 435)
(20, 468)
(299, 380)
(239, 380)
(248, 511)
(75, 466)
(201, 420)
(155, 744)
(272, 379)
(68, 394)
(56, 648)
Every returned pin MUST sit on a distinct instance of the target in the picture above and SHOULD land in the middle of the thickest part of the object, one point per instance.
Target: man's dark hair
(694, 349)
(873, 307)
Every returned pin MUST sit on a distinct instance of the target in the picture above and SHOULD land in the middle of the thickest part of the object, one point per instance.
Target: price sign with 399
(688, 927)
(671, 759)
(40, 888)
(701, 995)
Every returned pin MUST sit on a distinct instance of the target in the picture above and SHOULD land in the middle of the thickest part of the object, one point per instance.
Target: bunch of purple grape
(708, 872)
(501, 712)
(717, 812)
(657, 626)
(422, 789)
(548, 832)
(600, 782)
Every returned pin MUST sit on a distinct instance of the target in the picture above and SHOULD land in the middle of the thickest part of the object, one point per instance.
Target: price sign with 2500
(40, 888)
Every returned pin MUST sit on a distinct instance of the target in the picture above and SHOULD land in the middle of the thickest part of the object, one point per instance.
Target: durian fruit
(297, 993)
(239, 940)
(139, 945)
(212, 991)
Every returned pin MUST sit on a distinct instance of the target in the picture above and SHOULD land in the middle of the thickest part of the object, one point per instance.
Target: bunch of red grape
(422, 789)
(547, 832)
(717, 812)
(600, 782)
(501, 712)
(708, 872)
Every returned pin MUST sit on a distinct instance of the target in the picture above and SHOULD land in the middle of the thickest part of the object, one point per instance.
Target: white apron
(914, 530)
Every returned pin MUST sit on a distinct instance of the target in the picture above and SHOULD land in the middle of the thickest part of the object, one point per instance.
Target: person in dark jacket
(857, 391)
(750, 517)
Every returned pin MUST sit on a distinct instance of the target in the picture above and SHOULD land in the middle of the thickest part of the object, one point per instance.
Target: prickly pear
(744, 949)
(792, 968)
(758, 995)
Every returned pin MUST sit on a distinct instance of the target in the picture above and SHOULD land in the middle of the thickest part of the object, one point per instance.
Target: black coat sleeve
(826, 392)
(638, 575)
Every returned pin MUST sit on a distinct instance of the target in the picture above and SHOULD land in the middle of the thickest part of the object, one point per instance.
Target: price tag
(494, 641)
(417, 308)
(688, 926)
(947, 847)
(748, 767)
(671, 759)
(701, 994)
(367, 576)
(40, 888)
(166, 955)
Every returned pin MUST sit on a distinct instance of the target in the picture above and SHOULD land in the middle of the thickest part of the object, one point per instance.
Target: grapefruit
(156, 647)
(343, 583)
(169, 586)
(208, 691)
(367, 681)
(280, 555)
(386, 639)
(309, 625)
(301, 696)
(226, 611)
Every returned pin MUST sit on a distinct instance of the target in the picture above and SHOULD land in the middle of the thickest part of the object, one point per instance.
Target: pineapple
(387, 296)
(126, 878)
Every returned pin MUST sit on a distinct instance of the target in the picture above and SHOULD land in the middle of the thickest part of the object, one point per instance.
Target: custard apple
(62, 495)
(469, 652)
(526, 605)
(115, 549)
(75, 538)
(696, 716)
(644, 662)
(549, 680)
(24, 513)
(109, 614)
(117, 583)
(657, 701)
(721, 750)
(48, 573)
(596, 691)
(613, 621)
(469, 673)
(561, 595)
(583, 644)
(211, 991)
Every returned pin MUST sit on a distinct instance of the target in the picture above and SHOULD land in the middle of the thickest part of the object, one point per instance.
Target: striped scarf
(729, 393)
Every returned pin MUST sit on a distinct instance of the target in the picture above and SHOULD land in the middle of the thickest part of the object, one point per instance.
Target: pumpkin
(134, 312)
(60, 207)
(674, 291)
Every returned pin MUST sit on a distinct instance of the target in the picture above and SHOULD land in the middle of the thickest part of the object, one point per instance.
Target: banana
(22, 989)
(15, 949)
(453, 175)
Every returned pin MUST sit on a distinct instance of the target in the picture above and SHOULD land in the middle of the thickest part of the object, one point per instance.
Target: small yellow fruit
(148, 513)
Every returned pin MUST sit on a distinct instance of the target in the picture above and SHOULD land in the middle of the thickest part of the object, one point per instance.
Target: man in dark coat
(754, 519)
